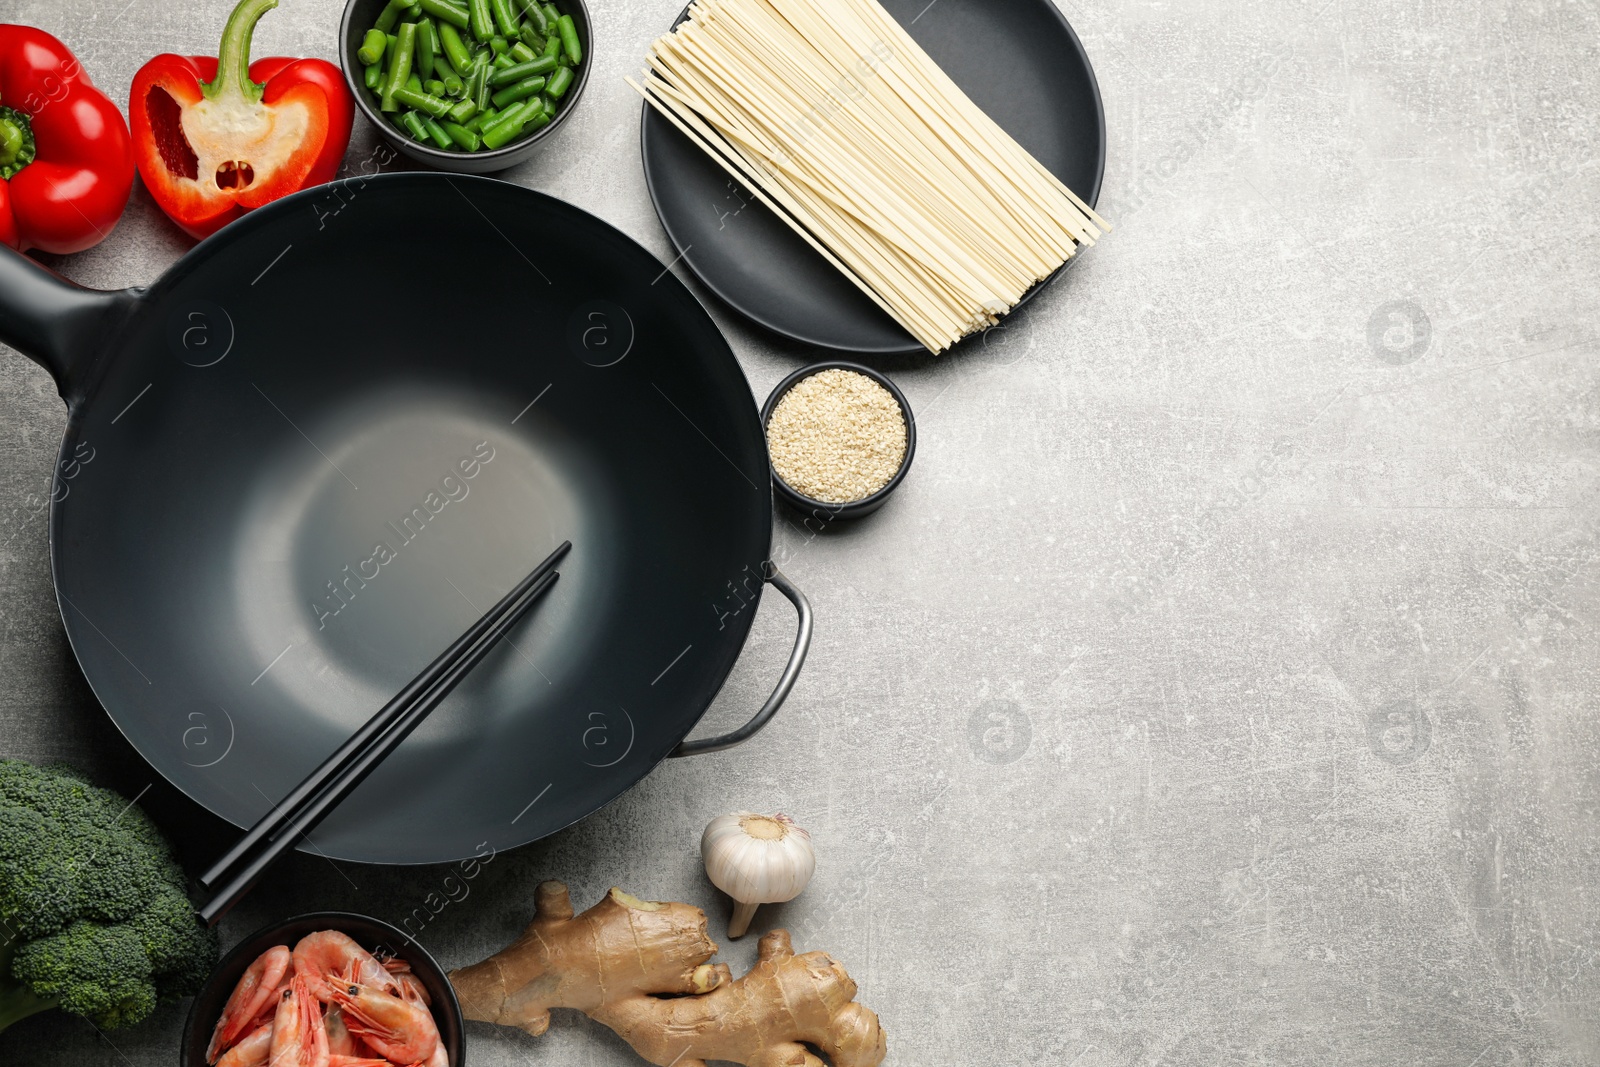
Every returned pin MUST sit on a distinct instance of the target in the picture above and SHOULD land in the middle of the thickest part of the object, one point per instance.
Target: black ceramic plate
(1017, 59)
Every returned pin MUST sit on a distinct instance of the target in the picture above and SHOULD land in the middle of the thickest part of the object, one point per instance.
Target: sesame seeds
(837, 436)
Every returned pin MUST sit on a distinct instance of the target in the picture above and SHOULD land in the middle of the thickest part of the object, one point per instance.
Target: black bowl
(821, 510)
(359, 15)
(371, 933)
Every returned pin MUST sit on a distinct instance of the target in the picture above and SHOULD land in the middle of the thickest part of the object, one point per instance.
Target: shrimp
(328, 954)
(298, 1037)
(356, 1061)
(411, 986)
(249, 999)
(251, 1051)
(340, 1041)
(394, 1027)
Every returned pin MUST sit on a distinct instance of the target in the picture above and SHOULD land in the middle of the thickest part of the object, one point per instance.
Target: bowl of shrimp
(328, 989)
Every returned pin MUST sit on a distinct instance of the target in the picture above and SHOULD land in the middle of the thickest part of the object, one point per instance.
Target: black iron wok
(328, 438)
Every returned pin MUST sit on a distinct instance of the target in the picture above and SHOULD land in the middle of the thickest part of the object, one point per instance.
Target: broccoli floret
(93, 915)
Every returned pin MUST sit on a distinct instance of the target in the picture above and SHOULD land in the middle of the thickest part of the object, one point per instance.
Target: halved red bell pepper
(215, 138)
(66, 165)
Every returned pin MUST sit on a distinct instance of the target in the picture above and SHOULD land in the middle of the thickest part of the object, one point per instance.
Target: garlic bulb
(756, 859)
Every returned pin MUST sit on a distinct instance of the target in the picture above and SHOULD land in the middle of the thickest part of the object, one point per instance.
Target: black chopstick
(363, 763)
(282, 812)
(272, 825)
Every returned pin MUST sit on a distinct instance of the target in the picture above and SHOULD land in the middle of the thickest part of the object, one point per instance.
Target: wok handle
(797, 659)
(57, 323)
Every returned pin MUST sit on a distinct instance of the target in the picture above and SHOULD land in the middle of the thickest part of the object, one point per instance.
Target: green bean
(551, 13)
(541, 119)
(552, 47)
(372, 77)
(464, 138)
(372, 46)
(480, 120)
(447, 12)
(534, 41)
(499, 45)
(520, 91)
(560, 82)
(399, 65)
(413, 83)
(504, 17)
(522, 70)
(427, 46)
(569, 38)
(500, 63)
(504, 130)
(535, 16)
(452, 81)
(390, 15)
(413, 124)
(521, 53)
(434, 87)
(461, 112)
(455, 49)
(482, 23)
(430, 105)
(478, 84)
(437, 133)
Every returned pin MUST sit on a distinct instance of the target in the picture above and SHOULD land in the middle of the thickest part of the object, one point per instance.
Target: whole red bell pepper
(66, 166)
(215, 138)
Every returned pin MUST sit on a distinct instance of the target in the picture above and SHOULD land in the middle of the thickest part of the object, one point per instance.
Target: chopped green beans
(536, 20)
(427, 46)
(447, 12)
(505, 19)
(372, 46)
(470, 75)
(413, 124)
(560, 82)
(482, 23)
(522, 70)
(478, 84)
(464, 138)
(399, 65)
(437, 134)
(455, 49)
(569, 38)
(520, 91)
(390, 15)
(432, 106)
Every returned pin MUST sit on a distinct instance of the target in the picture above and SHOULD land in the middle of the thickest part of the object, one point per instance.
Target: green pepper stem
(16, 142)
(233, 57)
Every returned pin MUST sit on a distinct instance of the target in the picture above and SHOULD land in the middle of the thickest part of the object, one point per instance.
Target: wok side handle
(57, 323)
(791, 672)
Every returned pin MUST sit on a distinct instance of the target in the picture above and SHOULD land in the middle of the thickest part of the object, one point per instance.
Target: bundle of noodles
(840, 123)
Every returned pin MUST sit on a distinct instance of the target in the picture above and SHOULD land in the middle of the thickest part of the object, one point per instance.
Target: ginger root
(642, 968)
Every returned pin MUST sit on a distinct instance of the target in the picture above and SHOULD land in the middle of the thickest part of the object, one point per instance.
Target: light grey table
(1221, 687)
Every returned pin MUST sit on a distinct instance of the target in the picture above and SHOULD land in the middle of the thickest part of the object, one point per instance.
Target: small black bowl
(821, 510)
(369, 932)
(359, 15)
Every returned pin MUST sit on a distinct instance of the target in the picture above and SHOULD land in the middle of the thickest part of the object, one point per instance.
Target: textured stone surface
(1221, 686)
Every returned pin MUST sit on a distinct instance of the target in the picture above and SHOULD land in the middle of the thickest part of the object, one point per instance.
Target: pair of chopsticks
(232, 876)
